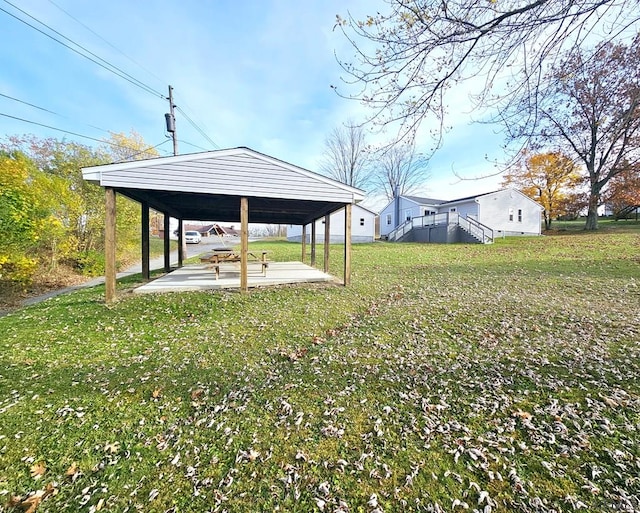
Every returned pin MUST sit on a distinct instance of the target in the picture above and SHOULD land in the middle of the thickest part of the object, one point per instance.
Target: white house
(504, 212)
(363, 223)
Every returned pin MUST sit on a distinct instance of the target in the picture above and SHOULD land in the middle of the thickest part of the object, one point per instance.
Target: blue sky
(249, 73)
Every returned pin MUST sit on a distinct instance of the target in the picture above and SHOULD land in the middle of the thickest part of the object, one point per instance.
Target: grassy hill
(447, 377)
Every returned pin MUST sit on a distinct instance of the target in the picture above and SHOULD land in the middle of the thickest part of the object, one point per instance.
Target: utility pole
(170, 118)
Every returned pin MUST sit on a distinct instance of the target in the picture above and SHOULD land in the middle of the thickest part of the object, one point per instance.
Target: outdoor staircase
(448, 227)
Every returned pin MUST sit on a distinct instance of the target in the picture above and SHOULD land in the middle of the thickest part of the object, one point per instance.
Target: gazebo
(230, 185)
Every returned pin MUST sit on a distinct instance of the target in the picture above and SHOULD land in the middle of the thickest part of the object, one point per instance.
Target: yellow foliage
(548, 178)
(19, 268)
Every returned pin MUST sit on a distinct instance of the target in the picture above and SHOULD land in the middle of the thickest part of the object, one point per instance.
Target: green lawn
(499, 378)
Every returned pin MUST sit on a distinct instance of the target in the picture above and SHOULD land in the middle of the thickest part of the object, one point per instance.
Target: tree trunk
(592, 213)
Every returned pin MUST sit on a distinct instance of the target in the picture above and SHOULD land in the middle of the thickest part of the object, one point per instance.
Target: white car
(192, 237)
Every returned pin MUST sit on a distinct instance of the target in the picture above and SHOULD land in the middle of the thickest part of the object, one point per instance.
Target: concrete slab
(199, 277)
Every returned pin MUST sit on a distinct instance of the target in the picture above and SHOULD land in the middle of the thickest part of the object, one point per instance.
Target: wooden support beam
(144, 246)
(110, 245)
(182, 245)
(347, 244)
(167, 243)
(304, 242)
(327, 240)
(313, 243)
(244, 244)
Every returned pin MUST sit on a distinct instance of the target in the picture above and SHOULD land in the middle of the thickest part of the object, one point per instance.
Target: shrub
(91, 263)
(17, 268)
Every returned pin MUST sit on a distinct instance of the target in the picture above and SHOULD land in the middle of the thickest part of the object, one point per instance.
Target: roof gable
(234, 172)
(209, 185)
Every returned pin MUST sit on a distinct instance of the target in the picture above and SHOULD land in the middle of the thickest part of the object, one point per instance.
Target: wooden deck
(200, 277)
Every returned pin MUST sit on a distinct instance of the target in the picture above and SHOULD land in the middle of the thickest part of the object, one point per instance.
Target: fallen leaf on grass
(294, 355)
(14, 500)
(112, 448)
(522, 414)
(38, 470)
(73, 471)
(31, 503)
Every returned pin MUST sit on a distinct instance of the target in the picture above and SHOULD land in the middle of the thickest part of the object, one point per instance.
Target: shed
(229, 185)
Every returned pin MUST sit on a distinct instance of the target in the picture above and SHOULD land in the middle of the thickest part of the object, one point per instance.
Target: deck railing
(482, 232)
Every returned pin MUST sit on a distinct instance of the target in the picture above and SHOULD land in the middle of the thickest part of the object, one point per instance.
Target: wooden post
(327, 240)
(304, 242)
(110, 245)
(167, 243)
(244, 244)
(313, 243)
(145, 240)
(347, 244)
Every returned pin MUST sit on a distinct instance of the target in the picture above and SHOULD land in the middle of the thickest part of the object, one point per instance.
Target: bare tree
(592, 111)
(406, 59)
(346, 155)
(399, 169)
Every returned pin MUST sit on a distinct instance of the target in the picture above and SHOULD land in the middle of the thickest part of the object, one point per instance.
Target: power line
(29, 104)
(194, 145)
(107, 65)
(51, 127)
(192, 122)
(106, 41)
(146, 150)
(194, 125)
(102, 141)
(50, 111)
(104, 64)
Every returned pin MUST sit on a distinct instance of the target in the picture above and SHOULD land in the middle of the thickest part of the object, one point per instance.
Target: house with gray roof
(478, 218)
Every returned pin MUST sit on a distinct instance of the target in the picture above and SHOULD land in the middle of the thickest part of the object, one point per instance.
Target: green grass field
(494, 378)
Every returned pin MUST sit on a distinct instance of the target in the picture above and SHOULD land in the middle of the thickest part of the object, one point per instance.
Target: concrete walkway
(156, 263)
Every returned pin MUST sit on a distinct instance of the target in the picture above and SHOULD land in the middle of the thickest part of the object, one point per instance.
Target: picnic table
(222, 255)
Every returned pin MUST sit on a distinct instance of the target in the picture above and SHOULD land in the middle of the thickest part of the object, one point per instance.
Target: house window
(388, 219)
(519, 215)
(510, 214)
(362, 221)
(407, 215)
(452, 209)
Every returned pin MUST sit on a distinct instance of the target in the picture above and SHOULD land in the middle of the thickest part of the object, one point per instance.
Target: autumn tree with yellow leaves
(549, 178)
(49, 215)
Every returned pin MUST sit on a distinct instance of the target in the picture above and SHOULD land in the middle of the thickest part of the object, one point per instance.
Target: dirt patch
(13, 295)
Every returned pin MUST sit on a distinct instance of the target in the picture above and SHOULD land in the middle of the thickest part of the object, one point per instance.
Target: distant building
(363, 224)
